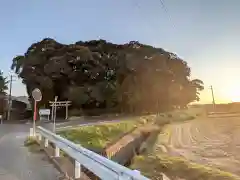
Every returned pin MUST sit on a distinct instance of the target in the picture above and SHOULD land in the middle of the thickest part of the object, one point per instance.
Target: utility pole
(55, 114)
(10, 98)
(213, 99)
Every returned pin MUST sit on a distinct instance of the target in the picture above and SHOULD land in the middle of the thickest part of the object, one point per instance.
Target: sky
(204, 33)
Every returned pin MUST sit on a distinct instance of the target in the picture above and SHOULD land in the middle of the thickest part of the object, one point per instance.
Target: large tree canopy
(131, 77)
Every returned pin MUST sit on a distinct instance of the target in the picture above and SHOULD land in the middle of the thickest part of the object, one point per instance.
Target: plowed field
(211, 141)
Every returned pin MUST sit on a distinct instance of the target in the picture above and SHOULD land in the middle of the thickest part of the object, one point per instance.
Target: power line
(163, 5)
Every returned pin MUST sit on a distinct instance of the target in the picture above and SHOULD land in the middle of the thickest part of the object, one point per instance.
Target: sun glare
(235, 95)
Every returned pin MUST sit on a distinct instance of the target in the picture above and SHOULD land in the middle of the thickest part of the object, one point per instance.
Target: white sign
(45, 112)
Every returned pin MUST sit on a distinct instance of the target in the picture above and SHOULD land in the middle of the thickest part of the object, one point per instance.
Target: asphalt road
(77, 124)
(16, 162)
(83, 121)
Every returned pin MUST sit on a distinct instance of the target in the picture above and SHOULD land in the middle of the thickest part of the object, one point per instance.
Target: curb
(51, 158)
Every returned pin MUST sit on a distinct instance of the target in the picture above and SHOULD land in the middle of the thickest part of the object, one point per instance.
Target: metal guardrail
(97, 164)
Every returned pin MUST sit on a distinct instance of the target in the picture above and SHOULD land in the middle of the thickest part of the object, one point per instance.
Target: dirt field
(212, 141)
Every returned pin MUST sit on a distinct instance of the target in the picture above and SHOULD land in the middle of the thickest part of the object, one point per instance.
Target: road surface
(82, 121)
(16, 162)
(211, 141)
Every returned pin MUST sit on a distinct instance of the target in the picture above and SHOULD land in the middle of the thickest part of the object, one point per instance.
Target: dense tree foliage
(3, 83)
(130, 77)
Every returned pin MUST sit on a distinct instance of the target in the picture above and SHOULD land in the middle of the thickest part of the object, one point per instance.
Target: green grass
(30, 141)
(31, 144)
(98, 136)
(153, 165)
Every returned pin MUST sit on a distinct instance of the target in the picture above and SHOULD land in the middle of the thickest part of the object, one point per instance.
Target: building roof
(23, 99)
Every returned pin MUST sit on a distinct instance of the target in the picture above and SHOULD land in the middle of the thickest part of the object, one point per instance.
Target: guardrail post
(136, 171)
(31, 132)
(164, 177)
(77, 170)
(57, 151)
(39, 137)
(46, 142)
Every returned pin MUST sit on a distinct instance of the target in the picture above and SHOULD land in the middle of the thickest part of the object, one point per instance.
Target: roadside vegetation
(30, 141)
(98, 136)
(153, 165)
(179, 116)
(31, 144)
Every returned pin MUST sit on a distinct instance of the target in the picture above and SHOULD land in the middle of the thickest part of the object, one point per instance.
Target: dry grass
(153, 165)
(204, 149)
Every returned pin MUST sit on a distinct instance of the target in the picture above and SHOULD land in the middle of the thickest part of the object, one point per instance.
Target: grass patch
(96, 137)
(30, 141)
(179, 116)
(153, 165)
(32, 145)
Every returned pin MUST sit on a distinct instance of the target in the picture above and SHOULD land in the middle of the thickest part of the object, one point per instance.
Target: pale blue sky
(205, 33)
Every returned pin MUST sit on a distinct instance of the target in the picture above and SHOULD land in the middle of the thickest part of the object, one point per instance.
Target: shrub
(30, 141)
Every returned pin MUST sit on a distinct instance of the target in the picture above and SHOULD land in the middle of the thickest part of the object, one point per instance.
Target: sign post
(37, 96)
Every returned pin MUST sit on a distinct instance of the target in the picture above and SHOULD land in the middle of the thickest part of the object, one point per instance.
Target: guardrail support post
(46, 142)
(164, 177)
(57, 152)
(31, 132)
(136, 172)
(39, 137)
(77, 169)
